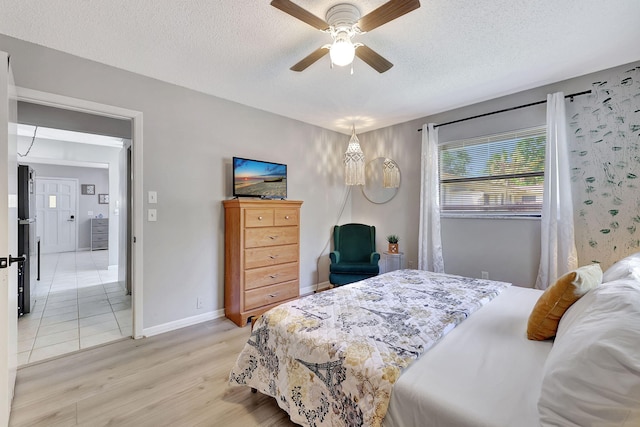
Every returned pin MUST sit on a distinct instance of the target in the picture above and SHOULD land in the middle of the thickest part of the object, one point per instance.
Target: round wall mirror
(382, 180)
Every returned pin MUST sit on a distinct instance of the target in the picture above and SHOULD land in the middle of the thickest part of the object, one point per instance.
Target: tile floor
(77, 303)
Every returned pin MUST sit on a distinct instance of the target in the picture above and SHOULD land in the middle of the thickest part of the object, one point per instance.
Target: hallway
(77, 303)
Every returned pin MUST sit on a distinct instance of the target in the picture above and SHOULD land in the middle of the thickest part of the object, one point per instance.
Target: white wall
(86, 203)
(64, 151)
(189, 140)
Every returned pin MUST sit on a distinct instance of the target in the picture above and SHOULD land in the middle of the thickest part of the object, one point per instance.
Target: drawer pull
(286, 217)
(273, 237)
(273, 276)
(273, 256)
(260, 218)
(273, 295)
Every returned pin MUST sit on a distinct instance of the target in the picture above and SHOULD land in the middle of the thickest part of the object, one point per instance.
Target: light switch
(90, 213)
(153, 197)
(152, 215)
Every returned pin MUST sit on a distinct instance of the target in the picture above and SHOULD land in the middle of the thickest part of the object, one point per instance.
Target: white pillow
(592, 374)
(626, 267)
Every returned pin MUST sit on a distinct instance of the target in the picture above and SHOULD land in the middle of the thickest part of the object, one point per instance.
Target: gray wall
(189, 140)
(508, 249)
(45, 116)
(86, 203)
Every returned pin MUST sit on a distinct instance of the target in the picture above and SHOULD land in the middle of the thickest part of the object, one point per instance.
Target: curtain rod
(508, 109)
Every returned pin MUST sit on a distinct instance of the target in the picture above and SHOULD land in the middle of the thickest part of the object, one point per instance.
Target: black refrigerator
(27, 244)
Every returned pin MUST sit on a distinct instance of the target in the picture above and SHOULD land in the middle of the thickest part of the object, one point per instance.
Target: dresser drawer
(286, 217)
(99, 237)
(270, 255)
(258, 217)
(100, 228)
(100, 222)
(271, 236)
(265, 276)
(270, 294)
(100, 245)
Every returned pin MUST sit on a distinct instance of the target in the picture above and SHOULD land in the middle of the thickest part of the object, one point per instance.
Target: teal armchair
(354, 256)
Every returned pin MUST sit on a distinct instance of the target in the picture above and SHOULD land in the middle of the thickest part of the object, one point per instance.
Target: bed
(483, 356)
(335, 358)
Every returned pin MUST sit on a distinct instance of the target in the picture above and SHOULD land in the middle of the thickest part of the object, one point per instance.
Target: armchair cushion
(355, 267)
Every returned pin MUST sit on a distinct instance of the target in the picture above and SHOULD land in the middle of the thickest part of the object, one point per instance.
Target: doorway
(116, 297)
(78, 300)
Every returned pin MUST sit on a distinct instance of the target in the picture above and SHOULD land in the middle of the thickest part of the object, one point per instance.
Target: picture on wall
(103, 199)
(88, 189)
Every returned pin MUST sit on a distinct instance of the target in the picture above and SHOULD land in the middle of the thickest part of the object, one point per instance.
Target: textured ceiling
(446, 54)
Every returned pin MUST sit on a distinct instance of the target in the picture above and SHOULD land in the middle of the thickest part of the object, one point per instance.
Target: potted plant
(393, 243)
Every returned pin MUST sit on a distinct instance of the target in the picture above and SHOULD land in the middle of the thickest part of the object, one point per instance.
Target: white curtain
(430, 242)
(558, 251)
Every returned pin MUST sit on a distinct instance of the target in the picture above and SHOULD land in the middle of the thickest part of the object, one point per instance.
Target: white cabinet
(393, 261)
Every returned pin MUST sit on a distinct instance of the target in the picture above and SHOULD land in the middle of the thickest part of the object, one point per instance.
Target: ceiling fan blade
(310, 59)
(387, 12)
(296, 11)
(374, 60)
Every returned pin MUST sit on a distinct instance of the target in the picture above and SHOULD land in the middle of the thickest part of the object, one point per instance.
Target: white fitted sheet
(483, 373)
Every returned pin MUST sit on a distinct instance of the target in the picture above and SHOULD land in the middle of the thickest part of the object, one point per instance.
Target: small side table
(393, 261)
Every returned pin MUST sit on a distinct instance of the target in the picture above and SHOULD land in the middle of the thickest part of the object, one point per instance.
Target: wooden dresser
(262, 256)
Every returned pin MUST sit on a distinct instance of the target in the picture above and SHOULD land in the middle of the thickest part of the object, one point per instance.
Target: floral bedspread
(331, 359)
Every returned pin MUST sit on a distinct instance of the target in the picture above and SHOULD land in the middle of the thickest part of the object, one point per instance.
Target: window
(497, 174)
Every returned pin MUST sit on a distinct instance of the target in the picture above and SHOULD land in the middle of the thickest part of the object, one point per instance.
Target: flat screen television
(257, 178)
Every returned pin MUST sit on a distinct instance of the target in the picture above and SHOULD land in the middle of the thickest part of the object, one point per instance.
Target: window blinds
(501, 173)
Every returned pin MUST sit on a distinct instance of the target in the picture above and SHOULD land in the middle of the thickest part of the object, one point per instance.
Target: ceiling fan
(343, 22)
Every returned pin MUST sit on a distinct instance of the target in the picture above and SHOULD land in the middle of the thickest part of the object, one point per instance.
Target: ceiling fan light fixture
(343, 21)
(342, 51)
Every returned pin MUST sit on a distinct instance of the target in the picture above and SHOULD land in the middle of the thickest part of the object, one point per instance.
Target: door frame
(9, 236)
(136, 199)
(77, 207)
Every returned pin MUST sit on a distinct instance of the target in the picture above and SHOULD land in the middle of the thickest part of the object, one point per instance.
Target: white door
(8, 238)
(56, 214)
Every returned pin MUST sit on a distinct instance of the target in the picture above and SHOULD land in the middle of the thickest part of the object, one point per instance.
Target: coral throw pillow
(557, 298)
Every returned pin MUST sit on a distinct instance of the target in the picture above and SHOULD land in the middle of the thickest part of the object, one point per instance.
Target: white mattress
(483, 373)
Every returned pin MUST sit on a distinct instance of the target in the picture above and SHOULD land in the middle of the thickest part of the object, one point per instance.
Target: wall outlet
(198, 303)
(485, 274)
(411, 264)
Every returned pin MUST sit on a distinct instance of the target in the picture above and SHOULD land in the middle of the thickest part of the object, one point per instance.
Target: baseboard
(182, 323)
(112, 268)
(307, 290)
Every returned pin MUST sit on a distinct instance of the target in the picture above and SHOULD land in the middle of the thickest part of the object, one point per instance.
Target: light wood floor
(174, 379)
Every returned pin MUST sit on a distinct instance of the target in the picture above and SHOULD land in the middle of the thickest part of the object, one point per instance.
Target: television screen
(256, 178)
